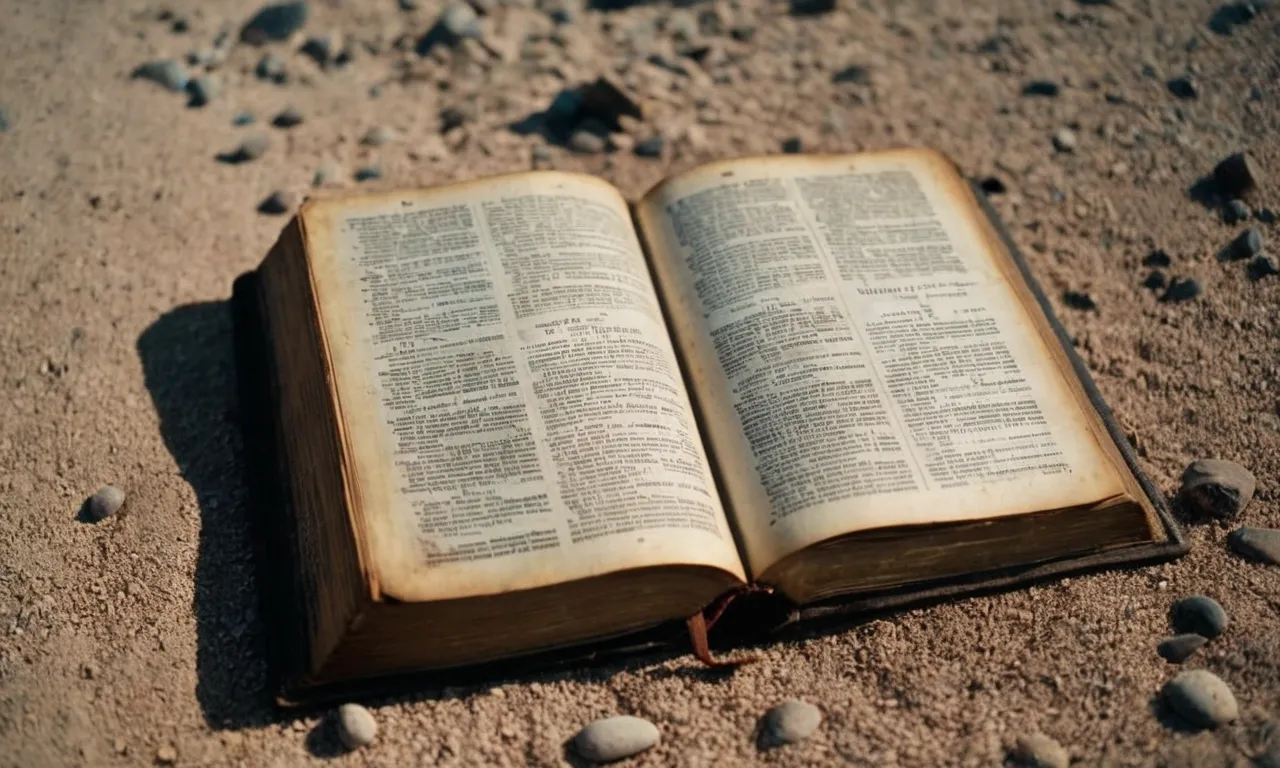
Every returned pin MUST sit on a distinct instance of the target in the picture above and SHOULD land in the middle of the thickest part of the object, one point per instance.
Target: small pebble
(992, 185)
(1078, 300)
(329, 173)
(276, 203)
(271, 67)
(356, 726)
(201, 57)
(253, 147)
(105, 503)
(289, 118)
(243, 118)
(1263, 266)
(614, 738)
(378, 136)
(450, 118)
(203, 90)
(792, 146)
(1216, 488)
(1041, 88)
(1155, 280)
(1065, 140)
(1036, 750)
(1237, 175)
(1179, 648)
(1182, 289)
(275, 22)
(167, 755)
(368, 173)
(5, 121)
(1260, 544)
(540, 155)
(1246, 245)
(1198, 615)
(319, 49)
(165, 72)
(1201, 698)
(586, 142)
(650, 147)
(791, 721)
(1184, 87)
(1235, 211)
(1157, 258)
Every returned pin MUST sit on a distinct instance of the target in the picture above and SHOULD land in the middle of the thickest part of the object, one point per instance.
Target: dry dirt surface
(138, 639)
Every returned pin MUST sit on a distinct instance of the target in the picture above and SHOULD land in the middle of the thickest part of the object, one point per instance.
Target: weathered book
(518, 417)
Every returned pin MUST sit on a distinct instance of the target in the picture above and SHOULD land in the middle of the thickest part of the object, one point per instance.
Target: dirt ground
(120, 235)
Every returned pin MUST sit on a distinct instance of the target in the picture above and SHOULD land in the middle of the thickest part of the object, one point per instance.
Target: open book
(518, 414)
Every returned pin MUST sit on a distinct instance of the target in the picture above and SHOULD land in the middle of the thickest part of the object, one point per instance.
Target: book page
(858, 357)
(511, 400)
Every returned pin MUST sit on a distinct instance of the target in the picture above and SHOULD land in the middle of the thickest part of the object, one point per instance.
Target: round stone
(376, 137)
(164, 72)
(791, 721)
(203, 90)
(1065, 140)
(1179, 648)
(1198, 615)
(1216, 488)
(614, 738)
(1260, 544)
(586, 142)
(105, 503)
(1201, 698)
(1035, 750)
(356, 726)
(288, 118)
(253, 147)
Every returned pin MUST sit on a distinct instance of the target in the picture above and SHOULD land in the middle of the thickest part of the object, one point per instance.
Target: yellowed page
(857, 355)
(508, 390)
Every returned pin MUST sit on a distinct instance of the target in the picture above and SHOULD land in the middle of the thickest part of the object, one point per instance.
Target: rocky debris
(1184, 87)
(1065, 140)
(356, 726)
(1079, 300)
(326, 174)
(1181, 289)
(650, 147)
(1036, 750)
(103, 504)
(1198, 615)
(793, 145)
(203, 90)
(1041, 88)
(1235, 211)
(1216, 488)
(1259, 544)
(1155, 280)
(376, 137)
(166, 754)
(277, 203)
(615, 738)
(1246, 245)
(243, 118)
(1157, 258)
(165, 72)
(1201, 698)
(288, 118)
(1263, 266)
(1179, 648)
(789, 722)
(275, 22)
(271, 67)
(253, 147)
(456, 23)
(1237, 175)
(368, 173)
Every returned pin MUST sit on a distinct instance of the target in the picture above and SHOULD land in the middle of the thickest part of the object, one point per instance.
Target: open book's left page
(509, 397)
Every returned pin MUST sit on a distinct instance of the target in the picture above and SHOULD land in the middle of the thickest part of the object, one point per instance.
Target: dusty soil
(120, 235)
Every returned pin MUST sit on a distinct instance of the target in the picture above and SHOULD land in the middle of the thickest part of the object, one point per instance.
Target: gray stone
(1184, 87)
(650, 147)
(1263, 266)
(1201, 698)
(320, 49)
(1065, 140)
(791, 721)
(289, 118)
(1198, 614)
(586, 142)
(1260, 544)
(275, 22)
(271, 67)
(376, 137)
(253, 147)
(614, 738)
(1182, 289)
(1235, 211)
(1035, 750)
(243, 118)
(1041, 88)
(408, 5)
(203, 90)
(164, 72)
(356, 726)
(1246, 245)
(277, 203)
(105, 503)
(326, 174)
(456, 23)
(1216, 488)
(368, 173)
(1179, 648)
(1237, 175)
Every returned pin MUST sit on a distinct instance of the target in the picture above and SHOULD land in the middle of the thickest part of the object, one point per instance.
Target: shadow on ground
(189, 368)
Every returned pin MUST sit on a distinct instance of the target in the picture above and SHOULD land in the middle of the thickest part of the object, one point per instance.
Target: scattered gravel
(1216, 488)
(615, 738)
(1199, 615)
(1036, 750)
(1179, 648)
(105, 503)
(1260, 544)
(791, 721)
(356, 726)
(1201, 698)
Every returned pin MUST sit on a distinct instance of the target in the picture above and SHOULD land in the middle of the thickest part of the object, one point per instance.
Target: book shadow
(188, 363)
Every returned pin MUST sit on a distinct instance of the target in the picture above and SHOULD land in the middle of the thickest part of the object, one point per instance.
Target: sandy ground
(120, 236)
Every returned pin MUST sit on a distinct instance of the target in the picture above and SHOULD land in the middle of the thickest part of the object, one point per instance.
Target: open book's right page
(859, 353)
